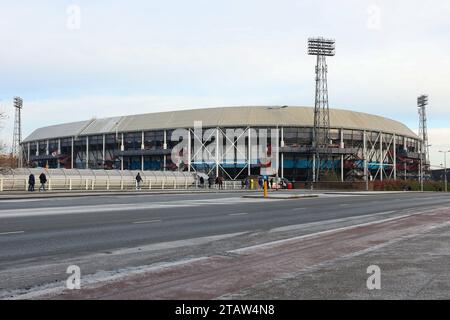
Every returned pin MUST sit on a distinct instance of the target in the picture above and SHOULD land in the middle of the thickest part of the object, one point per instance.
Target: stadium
(362, 146)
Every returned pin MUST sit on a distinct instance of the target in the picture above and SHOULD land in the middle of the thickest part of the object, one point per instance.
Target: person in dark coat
(202, 182)
(210, 182)
(31, 182)
(138, 181)
(43, 181)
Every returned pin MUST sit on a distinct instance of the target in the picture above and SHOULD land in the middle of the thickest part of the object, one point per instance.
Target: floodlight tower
(17, 139)
(422, 103)
(321, 48)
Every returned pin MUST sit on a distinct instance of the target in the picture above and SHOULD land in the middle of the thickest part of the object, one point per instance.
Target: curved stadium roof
(223, 117)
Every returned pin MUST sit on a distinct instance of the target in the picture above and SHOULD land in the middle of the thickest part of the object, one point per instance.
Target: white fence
(77, 179)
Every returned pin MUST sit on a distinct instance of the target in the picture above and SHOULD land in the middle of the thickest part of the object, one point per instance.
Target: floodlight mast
(17, 138)
(321, 48)
(422, 103)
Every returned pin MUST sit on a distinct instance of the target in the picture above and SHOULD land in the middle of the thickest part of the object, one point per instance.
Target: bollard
(265, 190)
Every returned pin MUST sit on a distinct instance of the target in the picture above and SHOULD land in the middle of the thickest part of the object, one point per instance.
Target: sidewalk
(77, 193)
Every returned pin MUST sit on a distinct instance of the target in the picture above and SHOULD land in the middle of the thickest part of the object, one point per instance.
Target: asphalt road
(35, 232)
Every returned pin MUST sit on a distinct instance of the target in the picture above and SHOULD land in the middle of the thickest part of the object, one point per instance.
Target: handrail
(81, 179)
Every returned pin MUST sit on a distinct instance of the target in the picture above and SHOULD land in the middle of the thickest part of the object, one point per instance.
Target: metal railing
(103, 180)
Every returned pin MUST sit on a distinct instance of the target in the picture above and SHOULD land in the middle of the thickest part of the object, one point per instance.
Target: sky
(75, 60)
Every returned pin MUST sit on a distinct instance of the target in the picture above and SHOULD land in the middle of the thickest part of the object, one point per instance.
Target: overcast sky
(77, 60)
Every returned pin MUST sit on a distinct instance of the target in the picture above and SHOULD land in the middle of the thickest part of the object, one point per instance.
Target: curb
(100, 193)
(293, 197)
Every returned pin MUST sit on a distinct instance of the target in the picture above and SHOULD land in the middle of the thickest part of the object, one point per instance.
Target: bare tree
(3, 116)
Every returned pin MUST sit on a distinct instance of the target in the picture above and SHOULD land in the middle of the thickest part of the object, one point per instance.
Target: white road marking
(48, 211)
(238, 214)
(299, 209)
(20, 200)
(344, 204)
(12, 232)
(144, 222)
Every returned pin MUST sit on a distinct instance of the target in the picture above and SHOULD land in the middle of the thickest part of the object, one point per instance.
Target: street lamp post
(445, 169)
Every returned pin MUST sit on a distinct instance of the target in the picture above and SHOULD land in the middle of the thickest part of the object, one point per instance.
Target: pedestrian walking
(210, 182)
(43, 181)
(31, 182)
(260, 182)
(138, 181)
(202, 182)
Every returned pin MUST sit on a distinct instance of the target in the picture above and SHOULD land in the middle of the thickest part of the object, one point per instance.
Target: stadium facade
(362, 146)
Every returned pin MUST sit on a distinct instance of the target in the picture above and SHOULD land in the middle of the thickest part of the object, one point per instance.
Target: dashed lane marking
(10, 233)
(146, 222)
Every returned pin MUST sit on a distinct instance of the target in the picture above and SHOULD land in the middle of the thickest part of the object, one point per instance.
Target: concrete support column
(282, 154)
(122, 148)
(87, 152)
(189, 150)
(29, 153)
(217, 152)
(366, 169)
(341, 145)
(395, 157)
(381, 156)
(104, 151)
(314, 167)
(59, 152)
(47, 152)
(72, 153)
(165, 148)
(142, 148)
(249, 151)
(277, 155)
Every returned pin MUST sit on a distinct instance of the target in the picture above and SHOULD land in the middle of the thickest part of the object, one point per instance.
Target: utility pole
(321, 48)
(16, 154)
